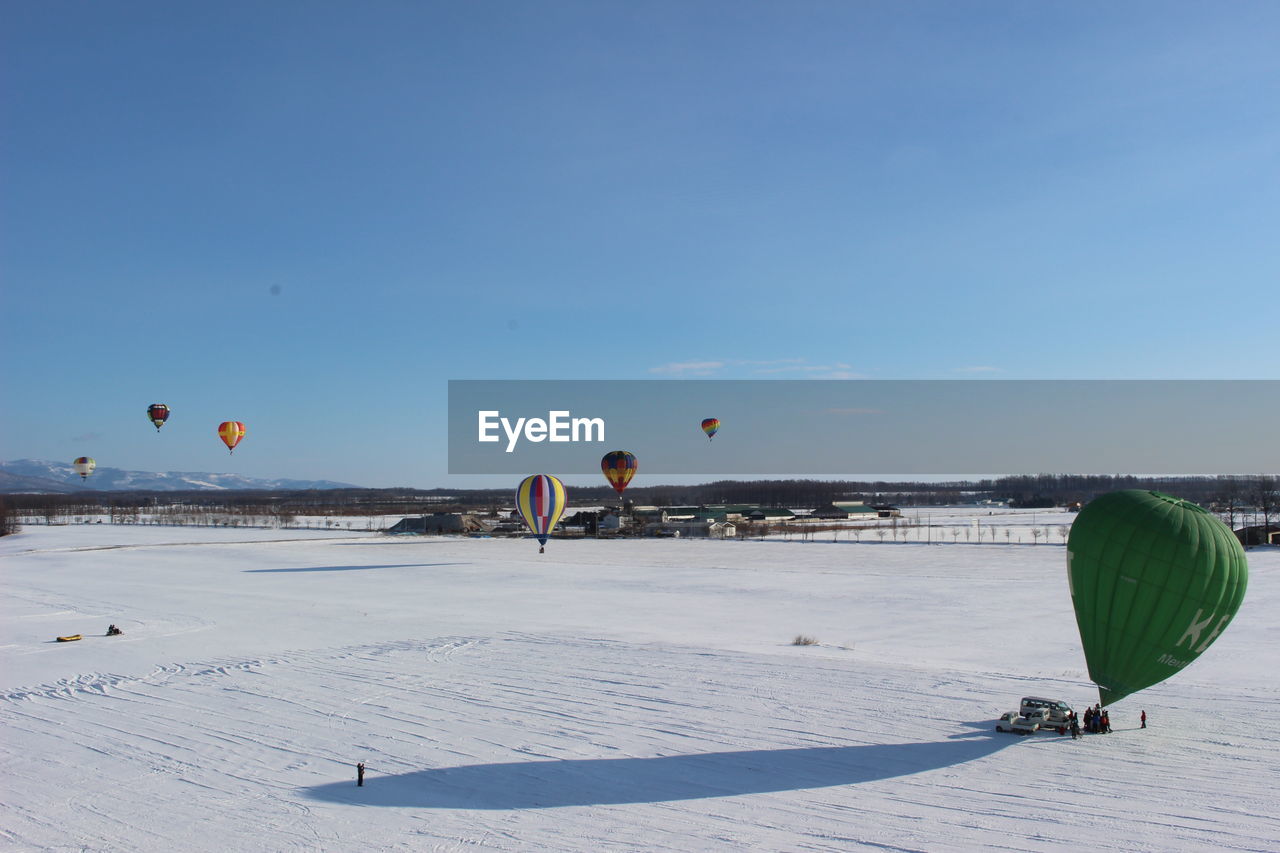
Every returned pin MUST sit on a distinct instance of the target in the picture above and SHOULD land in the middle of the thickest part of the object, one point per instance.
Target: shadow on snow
(617, 781)
(354, 568)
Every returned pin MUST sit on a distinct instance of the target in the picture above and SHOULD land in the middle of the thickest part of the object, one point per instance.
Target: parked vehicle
(1059, 713)
(1029, 723)
(1012, 721)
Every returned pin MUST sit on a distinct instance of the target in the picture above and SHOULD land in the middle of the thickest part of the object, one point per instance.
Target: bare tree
(1266, 496)
(8, 518)
(1228, 500)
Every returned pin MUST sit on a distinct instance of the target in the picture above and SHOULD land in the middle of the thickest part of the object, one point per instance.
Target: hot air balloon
(709, 426)
(540, 501)
(619, 467)
(84, 466)
(159, 413)
(1154, 580)
(231, 432)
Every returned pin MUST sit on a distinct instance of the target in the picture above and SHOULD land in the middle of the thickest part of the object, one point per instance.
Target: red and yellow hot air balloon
(540, 500)
(231, 432)
(619, 467)
(158, 413)
(709, 426)
(84, 466)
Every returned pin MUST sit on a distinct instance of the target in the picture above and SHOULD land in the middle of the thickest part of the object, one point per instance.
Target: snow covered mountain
(43, 476)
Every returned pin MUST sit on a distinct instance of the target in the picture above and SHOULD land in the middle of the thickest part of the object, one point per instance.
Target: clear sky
(309, 216)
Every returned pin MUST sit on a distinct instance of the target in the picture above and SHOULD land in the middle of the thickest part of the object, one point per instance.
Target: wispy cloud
(705, 368)
(760, 367)
(839, 370)
(770, 362)
(688, 368)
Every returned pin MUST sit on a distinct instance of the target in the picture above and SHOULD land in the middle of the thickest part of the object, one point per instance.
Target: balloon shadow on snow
(354, 568)
(619, 781)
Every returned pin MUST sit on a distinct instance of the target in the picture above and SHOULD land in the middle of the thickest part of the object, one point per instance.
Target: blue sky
(311, 216)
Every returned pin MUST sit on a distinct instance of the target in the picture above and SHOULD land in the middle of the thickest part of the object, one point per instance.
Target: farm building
(438, 523)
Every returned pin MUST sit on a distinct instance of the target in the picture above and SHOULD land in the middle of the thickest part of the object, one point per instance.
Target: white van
(1059, 712)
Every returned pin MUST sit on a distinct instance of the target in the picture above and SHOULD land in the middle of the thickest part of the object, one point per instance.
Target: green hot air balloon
(1154, 580)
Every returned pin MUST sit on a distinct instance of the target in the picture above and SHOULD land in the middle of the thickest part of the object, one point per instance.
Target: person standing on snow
(1144, 719)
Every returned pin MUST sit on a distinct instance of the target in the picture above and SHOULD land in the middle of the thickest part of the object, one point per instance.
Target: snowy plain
(608, 695)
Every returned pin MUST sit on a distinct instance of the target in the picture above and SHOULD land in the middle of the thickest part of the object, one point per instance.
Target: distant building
(703, 528)
(438, 523)
(857, 509)
(1261, 534)
(769, 515)
(844, 510)
(650, 515)
(734, 512)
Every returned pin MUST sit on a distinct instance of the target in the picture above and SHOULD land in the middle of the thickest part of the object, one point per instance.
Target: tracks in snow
(522, 741)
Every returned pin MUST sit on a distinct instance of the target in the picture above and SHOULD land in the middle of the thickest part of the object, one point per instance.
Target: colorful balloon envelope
(231, 432)
(709, 426)
(618, 467)
(84, 466)
(158, 413)
(1154, 580)
(540, 500)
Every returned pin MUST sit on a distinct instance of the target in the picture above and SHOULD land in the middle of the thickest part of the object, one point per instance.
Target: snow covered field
(627, 695)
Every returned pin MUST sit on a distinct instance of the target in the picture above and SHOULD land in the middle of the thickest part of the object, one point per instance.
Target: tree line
(1226, 492)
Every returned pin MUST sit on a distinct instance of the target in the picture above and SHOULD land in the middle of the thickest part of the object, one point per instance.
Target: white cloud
(760, 367)
(769, 362)
(839, 370)
(688, 368)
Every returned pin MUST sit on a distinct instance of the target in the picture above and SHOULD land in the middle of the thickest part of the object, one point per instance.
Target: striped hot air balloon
(709, 426)
(158, 413)
(84, 466)
(619, 467)
(540, 500)
(231, 432)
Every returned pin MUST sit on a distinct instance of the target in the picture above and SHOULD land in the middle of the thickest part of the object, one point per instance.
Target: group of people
(113, 631)
(1097, 721)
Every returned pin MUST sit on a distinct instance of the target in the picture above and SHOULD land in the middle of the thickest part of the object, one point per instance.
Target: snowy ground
(607, 695)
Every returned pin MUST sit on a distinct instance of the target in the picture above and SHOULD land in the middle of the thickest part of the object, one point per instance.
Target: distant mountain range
(39, 476)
